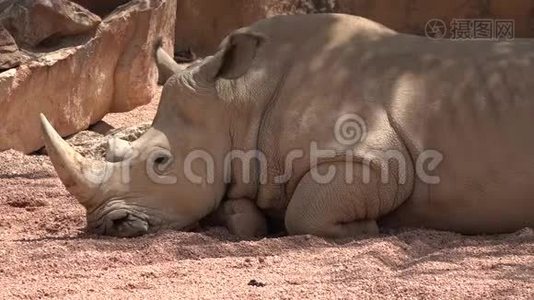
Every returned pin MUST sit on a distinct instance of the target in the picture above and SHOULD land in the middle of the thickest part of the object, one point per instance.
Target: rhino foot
(242, 218)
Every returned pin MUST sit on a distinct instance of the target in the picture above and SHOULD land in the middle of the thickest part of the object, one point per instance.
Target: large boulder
(202, 24)
(112, 71)
(31, 22)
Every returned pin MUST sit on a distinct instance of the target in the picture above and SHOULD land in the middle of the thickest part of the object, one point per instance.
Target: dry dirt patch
(44, 253)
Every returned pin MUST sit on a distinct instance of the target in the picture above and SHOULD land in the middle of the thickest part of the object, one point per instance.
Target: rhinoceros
(434, 134)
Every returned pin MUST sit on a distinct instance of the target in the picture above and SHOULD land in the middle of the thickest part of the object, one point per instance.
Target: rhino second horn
(167, 66)
(72, 168)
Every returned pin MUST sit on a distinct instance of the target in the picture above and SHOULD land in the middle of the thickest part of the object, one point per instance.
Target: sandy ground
(44, 253)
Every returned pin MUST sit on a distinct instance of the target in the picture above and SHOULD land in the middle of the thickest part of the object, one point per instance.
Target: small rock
(256, 283)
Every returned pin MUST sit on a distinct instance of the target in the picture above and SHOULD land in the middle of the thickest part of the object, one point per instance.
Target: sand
(45, 253)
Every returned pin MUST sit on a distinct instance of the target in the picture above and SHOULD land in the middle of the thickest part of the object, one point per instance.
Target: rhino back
(473, 103)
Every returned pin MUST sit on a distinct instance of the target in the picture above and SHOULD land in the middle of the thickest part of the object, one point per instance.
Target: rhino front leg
(242, 218)
(343, 207)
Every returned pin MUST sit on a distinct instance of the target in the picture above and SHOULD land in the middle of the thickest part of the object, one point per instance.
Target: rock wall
(112, 70)
(202, 24)
(10, 54)
(31, 22)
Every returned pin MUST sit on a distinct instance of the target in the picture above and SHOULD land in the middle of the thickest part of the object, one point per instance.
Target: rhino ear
(240, 51)
(233, 60)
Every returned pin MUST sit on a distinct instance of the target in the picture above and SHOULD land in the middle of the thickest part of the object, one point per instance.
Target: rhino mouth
(120, 221)
(118, 218)
(122, 224)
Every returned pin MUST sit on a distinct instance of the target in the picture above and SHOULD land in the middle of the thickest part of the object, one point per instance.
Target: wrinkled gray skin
(281, 84)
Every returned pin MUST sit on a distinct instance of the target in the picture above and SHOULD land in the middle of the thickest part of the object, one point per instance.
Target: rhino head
(145, 188)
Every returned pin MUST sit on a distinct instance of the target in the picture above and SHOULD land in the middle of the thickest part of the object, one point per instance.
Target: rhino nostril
(124, 224)
(121, 220)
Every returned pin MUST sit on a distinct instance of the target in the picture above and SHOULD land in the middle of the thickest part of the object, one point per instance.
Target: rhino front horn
(81, 176)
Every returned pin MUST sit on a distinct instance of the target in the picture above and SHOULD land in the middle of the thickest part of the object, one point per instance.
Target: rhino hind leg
(339, 208)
